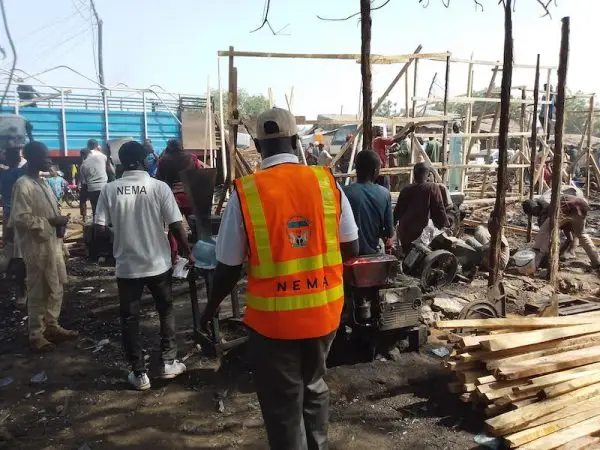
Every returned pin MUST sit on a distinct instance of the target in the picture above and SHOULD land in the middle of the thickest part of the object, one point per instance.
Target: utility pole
(100, 54)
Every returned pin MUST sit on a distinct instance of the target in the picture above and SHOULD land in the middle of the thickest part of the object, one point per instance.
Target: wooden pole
(445, 130)
(429, 93)
(365, 68)
(536, 96)
(415, 78)
(589, 144)
(546, 122)
(480, 116)
(468, 127)
(499, 213)
(523, 143)
(232, 99)
(563, 65)
(403, 72)
(406, 97)
(490, 143)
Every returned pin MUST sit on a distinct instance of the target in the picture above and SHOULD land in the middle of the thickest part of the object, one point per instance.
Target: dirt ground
(86, 404)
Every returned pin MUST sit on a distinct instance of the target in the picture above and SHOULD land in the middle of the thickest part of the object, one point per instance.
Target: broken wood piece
(470, 376)
(514, 340)
(568, 386)
(563, 346)
(565, 435)
(582, 443)
(548, 364)
(515, 322)
(525, 436)
(567, 411)
(537, 410)
(485, 380)
(558, 377)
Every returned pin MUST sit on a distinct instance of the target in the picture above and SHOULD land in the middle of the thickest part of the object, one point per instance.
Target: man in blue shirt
(371, 204)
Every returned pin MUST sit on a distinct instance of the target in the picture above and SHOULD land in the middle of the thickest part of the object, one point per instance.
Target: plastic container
(525, 261)
(205, 254)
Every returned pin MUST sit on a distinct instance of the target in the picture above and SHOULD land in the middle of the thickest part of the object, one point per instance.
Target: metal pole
(588, 149)
(222, 122)
(63, 121)
(145, 115)
(16, 100)
(106, 132)
(211, 126)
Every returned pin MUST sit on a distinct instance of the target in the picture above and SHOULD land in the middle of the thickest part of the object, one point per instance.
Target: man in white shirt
(94, 172)
(137, 206)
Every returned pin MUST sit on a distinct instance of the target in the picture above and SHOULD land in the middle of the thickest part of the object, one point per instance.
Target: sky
(174, 44)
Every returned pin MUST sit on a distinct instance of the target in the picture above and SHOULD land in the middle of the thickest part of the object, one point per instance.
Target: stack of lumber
(538, 378)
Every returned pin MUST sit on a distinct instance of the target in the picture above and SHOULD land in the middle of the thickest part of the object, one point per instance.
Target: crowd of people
(292, 223)
(138, 200)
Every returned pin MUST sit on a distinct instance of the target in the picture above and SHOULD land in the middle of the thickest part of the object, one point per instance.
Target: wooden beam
(471, 100)
(375, 59)
(515, 322)
(534, 144)
(537, 410)
(535, 337)
(525, 436)
(557, 163)
(565, 435)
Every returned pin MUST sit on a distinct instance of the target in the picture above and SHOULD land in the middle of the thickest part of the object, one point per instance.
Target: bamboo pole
(589, 144)
(536, 94)
(499, 213)
(445, 130)
(563, 66)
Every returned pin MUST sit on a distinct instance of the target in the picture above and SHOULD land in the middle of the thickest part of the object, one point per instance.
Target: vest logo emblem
(298, 231)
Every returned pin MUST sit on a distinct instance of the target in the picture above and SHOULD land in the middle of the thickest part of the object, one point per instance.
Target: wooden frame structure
(518, 163)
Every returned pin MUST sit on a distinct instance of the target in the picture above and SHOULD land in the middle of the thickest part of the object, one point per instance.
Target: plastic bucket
(525, 261)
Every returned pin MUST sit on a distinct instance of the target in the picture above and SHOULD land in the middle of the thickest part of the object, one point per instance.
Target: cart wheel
(439, 268)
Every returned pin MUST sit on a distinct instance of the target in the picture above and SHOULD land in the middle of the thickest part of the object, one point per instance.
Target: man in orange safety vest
(296, 227)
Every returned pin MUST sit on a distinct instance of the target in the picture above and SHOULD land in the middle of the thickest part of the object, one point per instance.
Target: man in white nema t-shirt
(138, 207)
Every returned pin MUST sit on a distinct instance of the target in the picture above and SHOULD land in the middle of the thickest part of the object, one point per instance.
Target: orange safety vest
(292, 214)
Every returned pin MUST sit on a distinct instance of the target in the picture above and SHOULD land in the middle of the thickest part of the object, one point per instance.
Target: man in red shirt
(381, 145)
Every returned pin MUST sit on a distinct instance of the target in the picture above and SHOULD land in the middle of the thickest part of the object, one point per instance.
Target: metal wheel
(72, 200)
(478, 310)
(438, 269)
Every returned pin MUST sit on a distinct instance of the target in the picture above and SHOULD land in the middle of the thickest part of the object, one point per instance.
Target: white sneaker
(139, 382)
(172, 370)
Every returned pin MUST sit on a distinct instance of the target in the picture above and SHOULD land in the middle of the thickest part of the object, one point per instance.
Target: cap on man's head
(275, 123)
(131, 153)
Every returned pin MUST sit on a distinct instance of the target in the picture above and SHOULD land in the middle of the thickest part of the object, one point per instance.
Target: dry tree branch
(545, 4)
(340, 19)
(265, 21)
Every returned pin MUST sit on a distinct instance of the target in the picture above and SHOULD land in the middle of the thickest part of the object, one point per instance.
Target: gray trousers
(293, 395)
